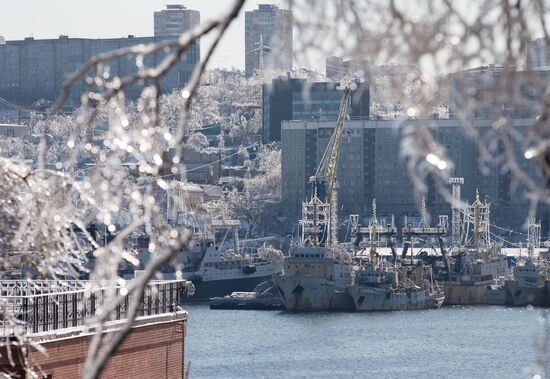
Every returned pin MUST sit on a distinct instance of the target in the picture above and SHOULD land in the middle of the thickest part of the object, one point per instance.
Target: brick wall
(151, 350)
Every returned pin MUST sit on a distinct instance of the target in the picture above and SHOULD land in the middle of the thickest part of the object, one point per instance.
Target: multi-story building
(298, 99)
(13, 130)
(36, 69)
(268, 38)
(493, 91)
(203, 167)
(371, 166)
(538, 54)
(174, 20)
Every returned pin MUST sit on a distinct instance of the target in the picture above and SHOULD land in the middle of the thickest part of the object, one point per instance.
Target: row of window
(309, 255)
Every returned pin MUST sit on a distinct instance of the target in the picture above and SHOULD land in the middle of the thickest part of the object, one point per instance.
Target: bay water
(452, 342)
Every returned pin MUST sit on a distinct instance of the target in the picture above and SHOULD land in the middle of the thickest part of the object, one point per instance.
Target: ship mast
(455, 216)
(478, 215)
(533, 237)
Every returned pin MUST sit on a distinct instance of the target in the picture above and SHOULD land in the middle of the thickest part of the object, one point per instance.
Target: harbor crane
(319, 220)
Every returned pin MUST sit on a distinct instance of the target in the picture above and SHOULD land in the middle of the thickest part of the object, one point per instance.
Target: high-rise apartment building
(36, 69)
(538, 54)
(268, 38)
(174, 20)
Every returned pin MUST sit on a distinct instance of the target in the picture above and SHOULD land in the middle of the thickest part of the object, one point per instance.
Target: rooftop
(175, 6)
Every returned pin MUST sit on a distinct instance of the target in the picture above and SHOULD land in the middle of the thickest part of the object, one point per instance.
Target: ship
(319, 269)
(264, 297)
(315, 278)
(530, 280)
(476, 262)
(218, 264)
(380, 286)
(390, 285)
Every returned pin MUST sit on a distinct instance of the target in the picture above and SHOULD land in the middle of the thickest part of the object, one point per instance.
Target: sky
(116, 18)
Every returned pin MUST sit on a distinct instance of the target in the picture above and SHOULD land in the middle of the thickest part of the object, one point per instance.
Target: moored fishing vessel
(316, 274)
(477, 262)
(315, 279)
(218, 263)
(381, 287)
(368, 296)
(529, 284)
(399, 284)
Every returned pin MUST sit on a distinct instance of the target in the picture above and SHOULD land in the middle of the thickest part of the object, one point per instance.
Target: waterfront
(467, 342)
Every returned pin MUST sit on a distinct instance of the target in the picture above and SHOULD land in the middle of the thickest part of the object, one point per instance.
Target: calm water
(454, 342)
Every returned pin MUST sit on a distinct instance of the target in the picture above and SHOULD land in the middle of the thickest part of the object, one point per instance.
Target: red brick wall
(151, 351)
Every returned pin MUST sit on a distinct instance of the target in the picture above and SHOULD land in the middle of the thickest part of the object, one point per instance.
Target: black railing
(41, 306)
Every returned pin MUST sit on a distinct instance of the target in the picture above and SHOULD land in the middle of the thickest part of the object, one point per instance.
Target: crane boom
(319, 219)
(326, 171)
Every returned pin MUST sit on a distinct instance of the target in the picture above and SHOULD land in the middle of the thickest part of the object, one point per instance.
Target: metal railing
(41, 306)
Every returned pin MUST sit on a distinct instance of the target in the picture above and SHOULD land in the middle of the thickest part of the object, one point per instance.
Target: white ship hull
(382, 299)
(204, 291)
(302, 293)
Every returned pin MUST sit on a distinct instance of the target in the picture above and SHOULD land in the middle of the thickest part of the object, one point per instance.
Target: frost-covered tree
(226, 98)
(254, 199)
(48, 206)
(197, 141)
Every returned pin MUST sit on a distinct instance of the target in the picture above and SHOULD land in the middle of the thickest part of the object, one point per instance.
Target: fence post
(45, 310)
(65, 311)
(171, 297)
(92, 303)
(149, 301)
(55, 307)
(75, 309)
(35, 315)
(26, 311)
